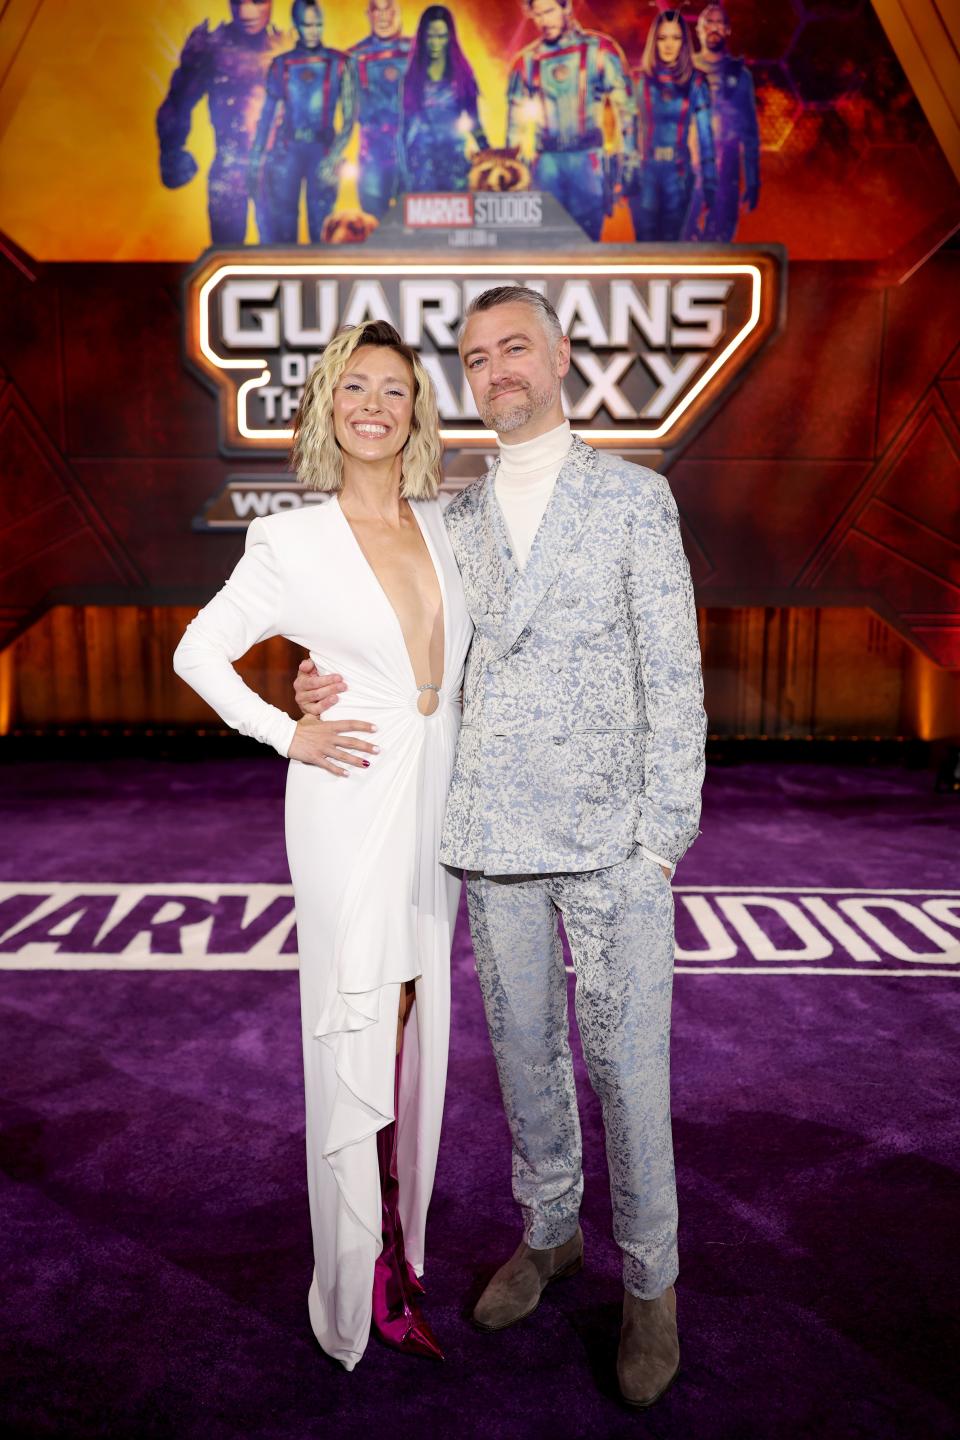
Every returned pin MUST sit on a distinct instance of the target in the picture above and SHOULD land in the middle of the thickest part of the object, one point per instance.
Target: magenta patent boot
(397, 1318)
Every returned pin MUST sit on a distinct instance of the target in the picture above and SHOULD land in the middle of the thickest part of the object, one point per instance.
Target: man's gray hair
(517, 295)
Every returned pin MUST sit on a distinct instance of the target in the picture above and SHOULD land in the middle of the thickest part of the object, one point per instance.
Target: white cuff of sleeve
(657, 859)
(284, 736)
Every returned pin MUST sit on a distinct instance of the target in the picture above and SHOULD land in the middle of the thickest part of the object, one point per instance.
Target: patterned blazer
(583, 722)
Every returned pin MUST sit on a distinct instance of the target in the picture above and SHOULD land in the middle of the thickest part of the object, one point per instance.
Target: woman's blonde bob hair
(317, 457)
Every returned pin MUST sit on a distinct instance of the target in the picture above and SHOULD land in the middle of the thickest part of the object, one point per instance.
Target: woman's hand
(328, 744)
(314, 692)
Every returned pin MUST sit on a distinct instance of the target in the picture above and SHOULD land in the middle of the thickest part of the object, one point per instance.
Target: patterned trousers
(619, 922)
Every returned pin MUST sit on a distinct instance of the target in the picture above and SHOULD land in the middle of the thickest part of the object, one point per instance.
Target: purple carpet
(155, 1239)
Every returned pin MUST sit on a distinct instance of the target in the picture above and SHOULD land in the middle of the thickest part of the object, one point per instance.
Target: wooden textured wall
(768, 671)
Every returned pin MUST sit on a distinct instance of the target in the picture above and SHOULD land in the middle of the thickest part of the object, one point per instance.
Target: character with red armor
(381, 61)
(671, 97)
(311, 83)
(556, 94)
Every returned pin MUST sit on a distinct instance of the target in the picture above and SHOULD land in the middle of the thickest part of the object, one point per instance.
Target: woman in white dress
(365, 580)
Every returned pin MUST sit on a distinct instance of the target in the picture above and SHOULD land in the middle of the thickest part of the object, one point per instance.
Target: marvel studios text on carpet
(720, 929)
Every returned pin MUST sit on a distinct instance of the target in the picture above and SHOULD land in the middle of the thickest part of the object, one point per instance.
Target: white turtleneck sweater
(525, 479)
(524, 484)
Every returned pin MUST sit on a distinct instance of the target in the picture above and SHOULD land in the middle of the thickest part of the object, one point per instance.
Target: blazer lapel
(561, 524)
(496, 528)
(487, 566)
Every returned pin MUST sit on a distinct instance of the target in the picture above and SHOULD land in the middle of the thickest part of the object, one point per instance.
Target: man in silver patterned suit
(576, 789)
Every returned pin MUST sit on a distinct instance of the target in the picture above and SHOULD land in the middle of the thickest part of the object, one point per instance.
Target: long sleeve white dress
(374, 906)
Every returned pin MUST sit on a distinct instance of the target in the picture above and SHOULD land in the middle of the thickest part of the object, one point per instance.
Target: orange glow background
(858, 176)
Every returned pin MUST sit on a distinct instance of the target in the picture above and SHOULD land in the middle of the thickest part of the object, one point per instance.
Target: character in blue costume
(229, 65)
(441, 121)
(671, 96)
(310, 82)
(557, 91)
(733, 108)
(381, 62)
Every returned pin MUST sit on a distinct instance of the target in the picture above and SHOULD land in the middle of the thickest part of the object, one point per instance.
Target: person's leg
(522, 977)
(408, 993)
(378, 178)
(513, 924)
(283, 175)
(321, 195)
(676, 201)
(262, 215)
(397, 1317)
(619, 922)
(227, 200)
(643, 205)
(620, 925)
(583, 189)
(696, 226)
(344, 1250)
(546, 175)
(389, 176)
(722, 220)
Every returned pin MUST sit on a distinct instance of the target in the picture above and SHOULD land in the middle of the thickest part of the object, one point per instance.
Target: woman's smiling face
(373, 404)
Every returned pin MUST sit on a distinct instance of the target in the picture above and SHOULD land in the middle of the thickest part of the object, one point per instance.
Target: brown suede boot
(515, 1290)
(649, 1357)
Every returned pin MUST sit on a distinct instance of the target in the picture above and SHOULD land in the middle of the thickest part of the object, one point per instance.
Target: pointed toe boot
(397, 1317)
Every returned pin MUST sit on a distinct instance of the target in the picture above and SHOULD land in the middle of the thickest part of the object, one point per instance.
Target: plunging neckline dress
(374, 906)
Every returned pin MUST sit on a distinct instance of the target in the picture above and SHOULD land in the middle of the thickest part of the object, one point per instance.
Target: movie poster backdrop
(152, 132)
(291, 168)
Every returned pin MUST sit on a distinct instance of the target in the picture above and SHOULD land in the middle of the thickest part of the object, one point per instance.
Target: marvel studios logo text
(441, 212)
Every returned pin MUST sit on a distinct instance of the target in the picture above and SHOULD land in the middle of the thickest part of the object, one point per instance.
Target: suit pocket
(610, 730)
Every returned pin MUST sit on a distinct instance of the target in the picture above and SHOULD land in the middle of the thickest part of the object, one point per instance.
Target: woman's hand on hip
(314, 692)
(329, 744)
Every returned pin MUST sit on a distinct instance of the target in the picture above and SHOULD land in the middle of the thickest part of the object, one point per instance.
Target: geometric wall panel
(830, 477)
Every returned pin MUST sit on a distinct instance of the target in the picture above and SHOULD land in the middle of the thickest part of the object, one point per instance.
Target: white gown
(374, 907)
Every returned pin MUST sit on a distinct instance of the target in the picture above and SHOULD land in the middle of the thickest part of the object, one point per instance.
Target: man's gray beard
(505, 421)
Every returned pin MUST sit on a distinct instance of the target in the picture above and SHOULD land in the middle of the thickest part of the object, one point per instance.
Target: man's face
(253, 16)
(513, 366)
(384, 16)
(310, 28)
(713, 29)
(550, 18)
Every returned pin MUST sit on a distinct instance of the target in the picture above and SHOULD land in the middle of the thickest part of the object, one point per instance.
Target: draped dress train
(374, 906)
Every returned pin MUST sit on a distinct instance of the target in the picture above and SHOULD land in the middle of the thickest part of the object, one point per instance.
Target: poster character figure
(499, 170)
(736, 135)
(381, 61)
(671, 97)
(442, 132)
(308, 85)
(557, 92)
(229, 66)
